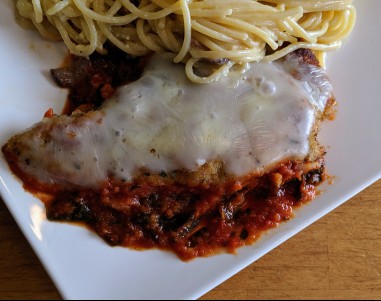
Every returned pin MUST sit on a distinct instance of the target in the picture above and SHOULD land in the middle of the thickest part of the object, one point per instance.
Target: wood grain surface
(338, 257)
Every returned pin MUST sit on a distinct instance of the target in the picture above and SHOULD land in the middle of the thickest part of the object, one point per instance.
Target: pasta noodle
(227, 33)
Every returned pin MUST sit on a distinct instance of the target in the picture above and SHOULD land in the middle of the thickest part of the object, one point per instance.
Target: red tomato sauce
(189, 220)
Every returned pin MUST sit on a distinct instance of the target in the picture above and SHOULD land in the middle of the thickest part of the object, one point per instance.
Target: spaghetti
(227, 33)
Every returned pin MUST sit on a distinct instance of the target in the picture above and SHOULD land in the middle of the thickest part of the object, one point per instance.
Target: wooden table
(338, 257)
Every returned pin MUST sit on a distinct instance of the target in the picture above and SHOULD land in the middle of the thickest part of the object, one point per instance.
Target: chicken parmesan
(195, 169)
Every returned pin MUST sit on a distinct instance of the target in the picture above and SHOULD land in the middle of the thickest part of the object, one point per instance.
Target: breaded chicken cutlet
(195, 169)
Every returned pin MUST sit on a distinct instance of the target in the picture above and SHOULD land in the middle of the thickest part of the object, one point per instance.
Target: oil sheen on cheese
(163, 122)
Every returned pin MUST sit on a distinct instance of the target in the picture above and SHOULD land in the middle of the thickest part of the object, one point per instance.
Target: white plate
(84, 267)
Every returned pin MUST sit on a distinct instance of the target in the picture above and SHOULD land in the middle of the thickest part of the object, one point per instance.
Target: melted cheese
(163, 122)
